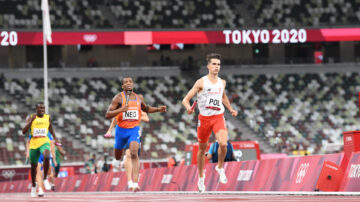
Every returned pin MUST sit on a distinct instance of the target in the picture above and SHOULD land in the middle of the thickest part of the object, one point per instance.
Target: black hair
(122, 79)
(39, 103)
(212, 56)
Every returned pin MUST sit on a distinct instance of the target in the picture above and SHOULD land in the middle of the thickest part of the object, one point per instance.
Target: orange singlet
(132, 116)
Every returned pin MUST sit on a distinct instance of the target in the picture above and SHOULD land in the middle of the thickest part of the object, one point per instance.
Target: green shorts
(35, 153)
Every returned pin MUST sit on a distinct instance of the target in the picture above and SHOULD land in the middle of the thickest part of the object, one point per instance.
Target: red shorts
(206, 124)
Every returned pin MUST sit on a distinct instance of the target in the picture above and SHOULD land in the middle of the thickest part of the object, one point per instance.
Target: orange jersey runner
(132, 116)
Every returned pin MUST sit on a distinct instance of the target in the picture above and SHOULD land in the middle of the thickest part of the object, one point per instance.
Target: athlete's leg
(128, 168)
(39, 179)
(121, 138)
(34, 155)
(201, 158)
(57, 170)
(51, 174)
(203, 134)
(134, 148)
(118, 154)
(46, 162)
(33, 174)
(221, 138)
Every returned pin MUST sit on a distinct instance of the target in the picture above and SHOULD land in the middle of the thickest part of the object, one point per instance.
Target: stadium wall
(286, 174)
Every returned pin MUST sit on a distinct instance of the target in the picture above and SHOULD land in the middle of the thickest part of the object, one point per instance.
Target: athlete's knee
(118, 154)
(128, 153)
(34, 166)
(46, 154)
(133, 154)
(222, 145)
(202, 148)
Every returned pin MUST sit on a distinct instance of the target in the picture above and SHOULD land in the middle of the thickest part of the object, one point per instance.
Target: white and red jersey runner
(210, 98)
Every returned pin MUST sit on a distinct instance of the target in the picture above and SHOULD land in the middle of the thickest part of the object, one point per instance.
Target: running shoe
(41, 192)
(47, 184)
(201, 184)
(130, 184)
(221, 172)
(33, 192)
(136, 187)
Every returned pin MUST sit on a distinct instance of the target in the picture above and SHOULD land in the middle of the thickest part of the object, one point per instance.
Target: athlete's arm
(149, 109)
(62, 151)
(27, 148)
(112, 125)
(52, 150)
(28, 123)
(52, 131)
(114, 109)
(194, 90)
(226, 102)
(144, 117)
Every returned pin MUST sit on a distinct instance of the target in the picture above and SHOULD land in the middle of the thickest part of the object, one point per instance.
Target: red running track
(178, 196)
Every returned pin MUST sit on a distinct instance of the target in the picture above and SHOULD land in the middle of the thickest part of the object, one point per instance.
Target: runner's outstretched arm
(150, 109)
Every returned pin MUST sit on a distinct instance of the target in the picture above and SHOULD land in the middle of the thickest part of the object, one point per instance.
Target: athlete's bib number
(131, 115)
(39, 132)
(213, 104)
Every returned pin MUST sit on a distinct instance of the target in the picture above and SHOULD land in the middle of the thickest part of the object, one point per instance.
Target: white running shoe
(47, 184)
(41, 192)
(136, 187)
(221, 172)
(33, 192)
(201, 184)
(130, 184)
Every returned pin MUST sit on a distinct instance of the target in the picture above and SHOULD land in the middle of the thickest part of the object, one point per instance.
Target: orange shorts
(206, 124)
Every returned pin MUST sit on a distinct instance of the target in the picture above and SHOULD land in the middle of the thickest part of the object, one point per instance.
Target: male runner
(39, 175)
(59, 155)
(211, 98)
(127, 157)
(126, 107)
(39, 125)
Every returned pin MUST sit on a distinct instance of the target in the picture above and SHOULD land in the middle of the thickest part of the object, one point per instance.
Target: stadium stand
(157, 14)
(12, 146)
(64, 14)
(298, 111)
(78, 106)
(290, 111)
(299, 13)
(176, 14)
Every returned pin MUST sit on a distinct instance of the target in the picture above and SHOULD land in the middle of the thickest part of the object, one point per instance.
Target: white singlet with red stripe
(210, 98)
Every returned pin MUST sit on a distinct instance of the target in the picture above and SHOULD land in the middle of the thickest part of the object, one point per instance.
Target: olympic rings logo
(8, 174)
(90, 37)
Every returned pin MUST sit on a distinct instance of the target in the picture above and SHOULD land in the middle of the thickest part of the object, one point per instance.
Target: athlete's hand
(233, 112)
(162, 108)
(33, 117)
(55, 163)
(125, 108)
(190, 110)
